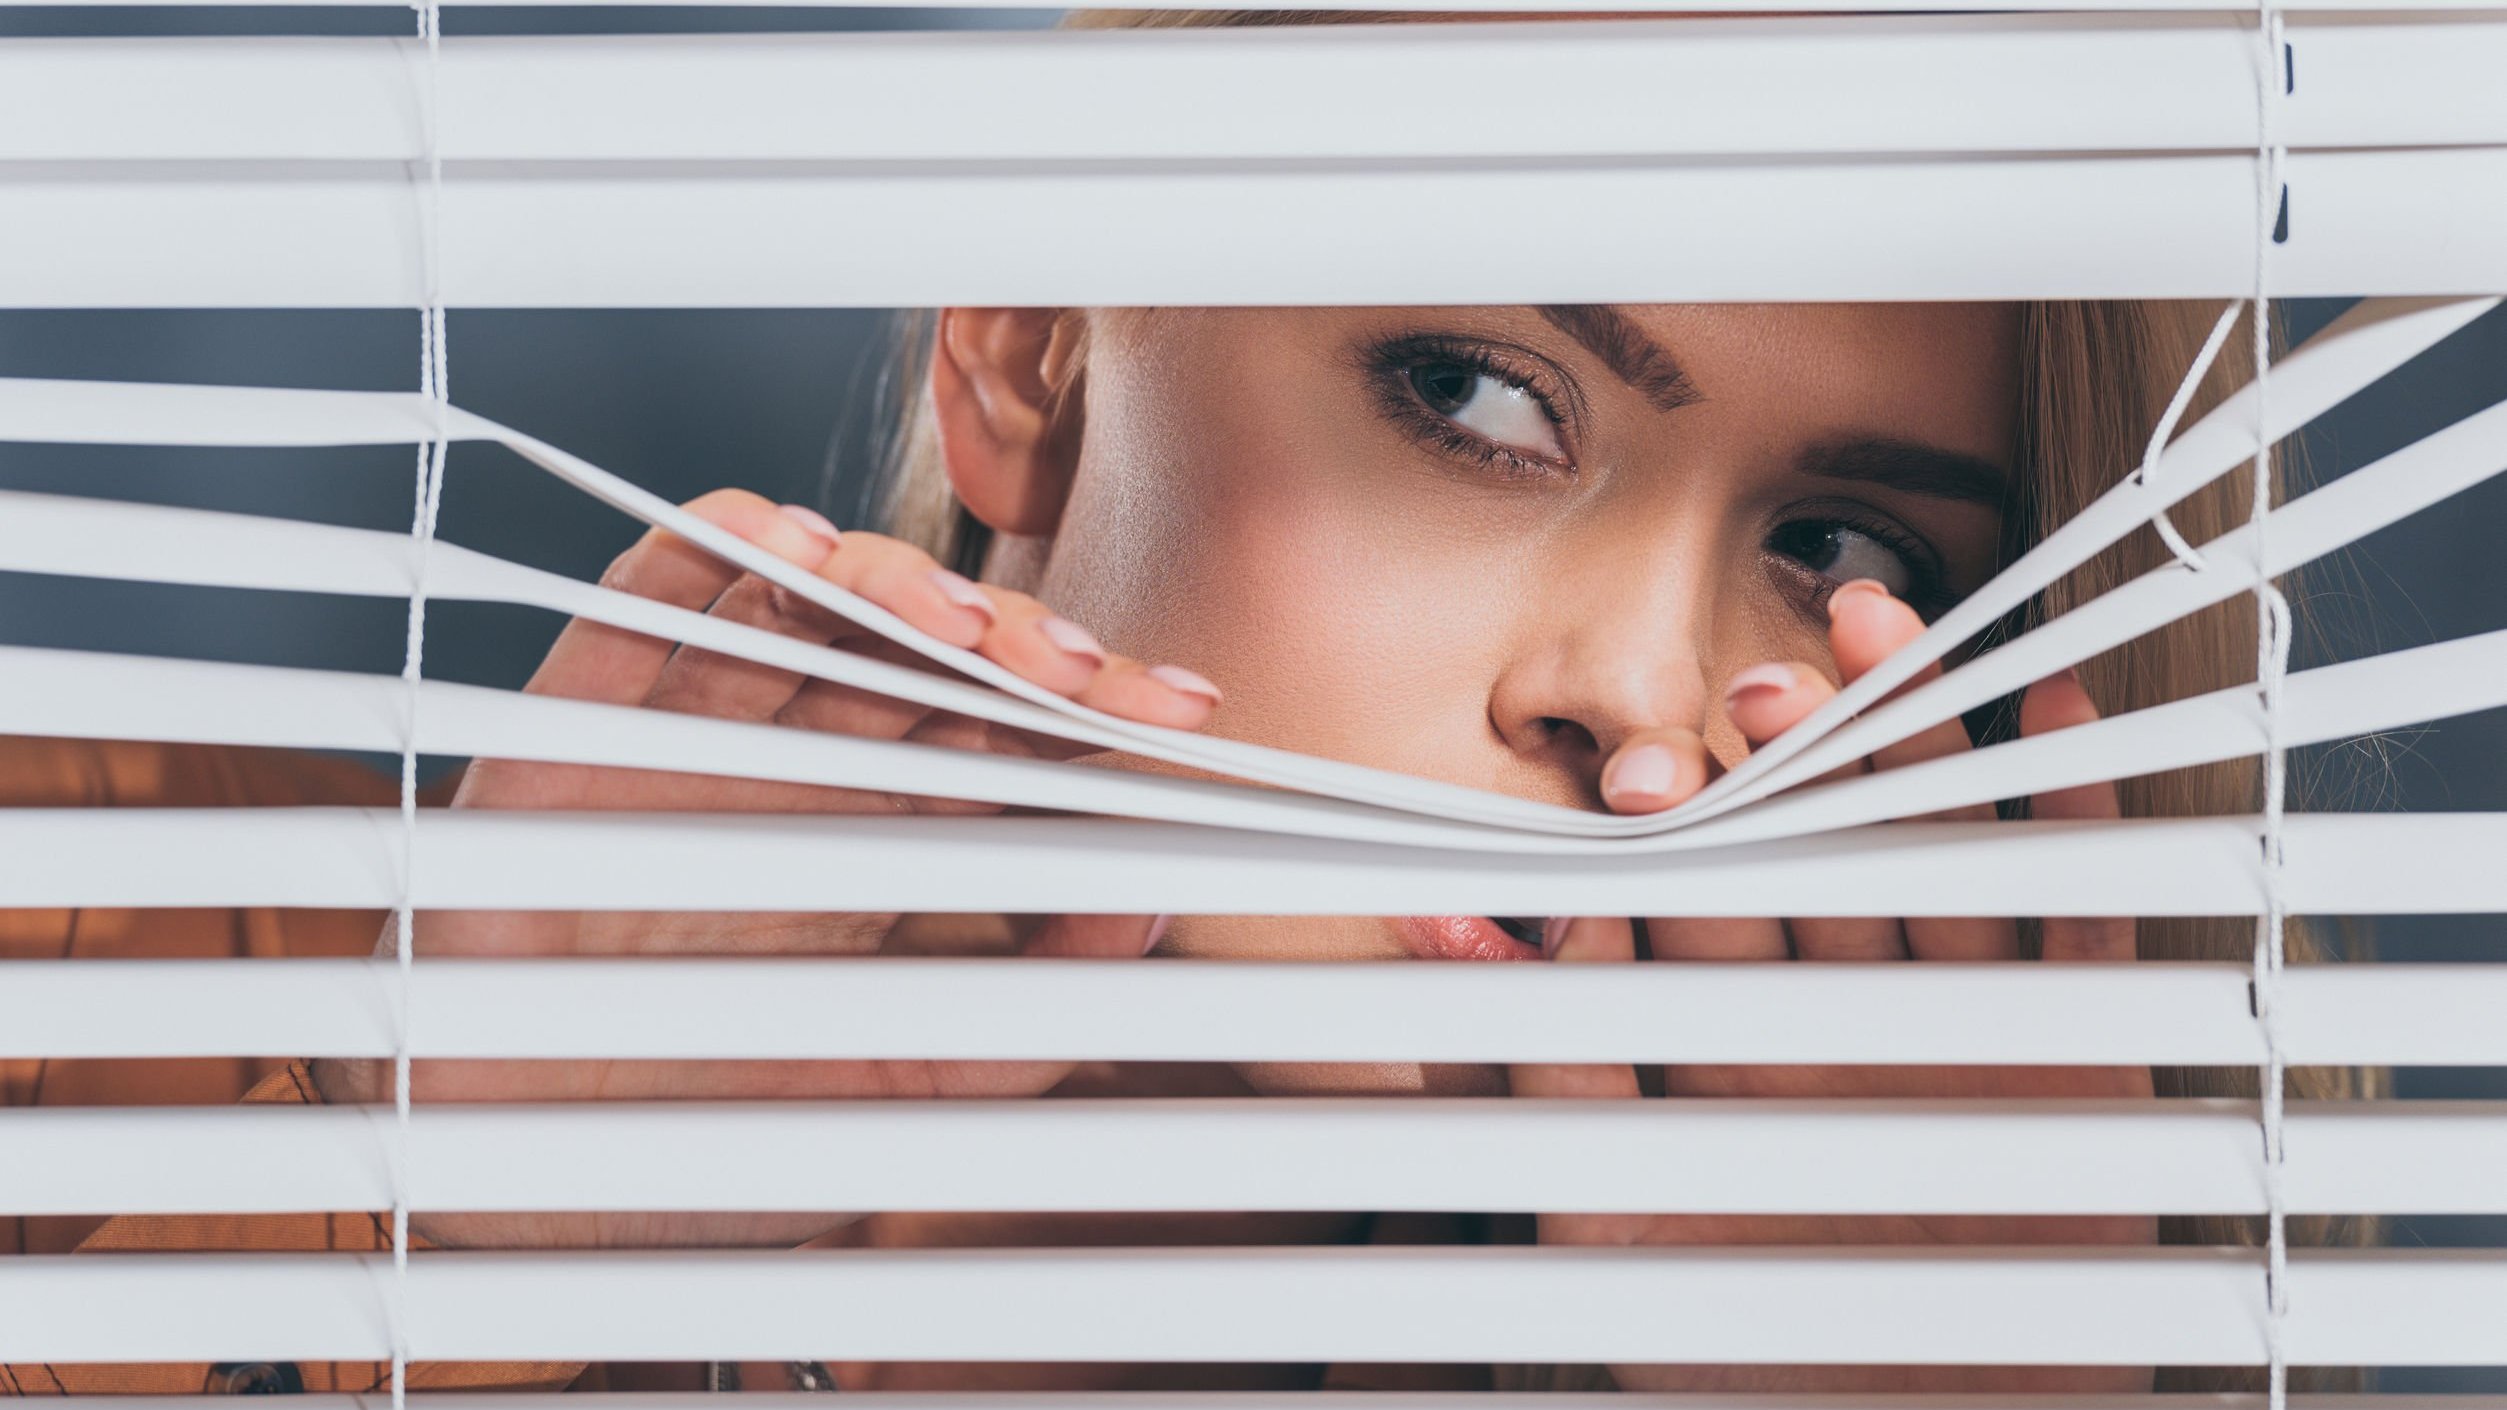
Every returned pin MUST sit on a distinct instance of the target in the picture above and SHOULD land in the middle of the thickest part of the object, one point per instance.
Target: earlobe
(1004, 385)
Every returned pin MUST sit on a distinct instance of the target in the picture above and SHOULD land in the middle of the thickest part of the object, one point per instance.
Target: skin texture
(1591, 558)
(1242, 501)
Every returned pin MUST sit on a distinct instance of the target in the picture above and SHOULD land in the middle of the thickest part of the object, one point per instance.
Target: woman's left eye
(1842, 553)
(1489, 407)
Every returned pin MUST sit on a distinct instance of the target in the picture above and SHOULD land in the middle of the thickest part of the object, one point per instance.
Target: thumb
(1096, 937)
(1581, 940)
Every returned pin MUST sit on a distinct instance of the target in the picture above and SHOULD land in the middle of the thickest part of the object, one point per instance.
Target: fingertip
(1767, 680)
(729, 507)
(783, 530)
(1103, 937)
(1852, 593)
(955, 625)
(1866, 624)
(1649, 775)
(1186, 682)
(1072, 639)
(1150, 695)
(1184, 699)
(1585, 939)
(963, 593)
(1767, 699)
(813, 523)
(2059, 701)
(944, 604)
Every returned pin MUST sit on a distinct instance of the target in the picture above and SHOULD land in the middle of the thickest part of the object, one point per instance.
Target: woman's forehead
(1986, 329)
(1982, 328)
(1962, 352)
(1942, 369)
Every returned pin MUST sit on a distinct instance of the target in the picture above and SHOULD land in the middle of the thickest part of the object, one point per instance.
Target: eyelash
(1389, 363)
(1928, 591)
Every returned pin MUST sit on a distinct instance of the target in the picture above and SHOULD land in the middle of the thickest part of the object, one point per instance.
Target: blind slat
(2171, 1013)
(685, 1007)
(1713, 1156)
(1862, 1306)
(1825, 84)
(2414, 221)
(474, 859)
(102, 695)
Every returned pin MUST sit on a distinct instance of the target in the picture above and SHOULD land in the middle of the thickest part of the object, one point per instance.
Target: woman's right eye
(1501, 412)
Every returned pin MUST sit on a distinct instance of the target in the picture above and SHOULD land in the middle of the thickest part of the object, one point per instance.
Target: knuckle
(784, 602)
(793, 609)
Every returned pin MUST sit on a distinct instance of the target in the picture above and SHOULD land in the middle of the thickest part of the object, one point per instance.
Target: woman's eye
(1488, 407)
(1842, 553)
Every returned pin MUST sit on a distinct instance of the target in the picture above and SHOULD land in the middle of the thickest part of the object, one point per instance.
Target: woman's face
(1484, 545)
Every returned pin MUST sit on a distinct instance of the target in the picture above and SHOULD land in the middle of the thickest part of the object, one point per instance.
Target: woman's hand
(1866, 625)
(593, 661)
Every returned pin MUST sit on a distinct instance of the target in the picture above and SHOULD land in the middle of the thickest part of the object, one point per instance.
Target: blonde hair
(2094, 378)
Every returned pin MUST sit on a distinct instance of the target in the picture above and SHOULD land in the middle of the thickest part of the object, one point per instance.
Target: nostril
(1563, 733)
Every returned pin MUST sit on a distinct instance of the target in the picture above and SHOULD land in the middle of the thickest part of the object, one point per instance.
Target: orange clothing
(81, 773)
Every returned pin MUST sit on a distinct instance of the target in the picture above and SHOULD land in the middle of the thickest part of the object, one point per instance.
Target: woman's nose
(1576, 694)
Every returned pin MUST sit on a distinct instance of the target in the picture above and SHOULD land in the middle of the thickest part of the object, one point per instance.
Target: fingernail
(1157, 932)
(1846, 592)
(962, 592)
(1554, 934)
(1189, 682)
(1072, 637)
(816, 524)
(1647, 769)
(1767, 675)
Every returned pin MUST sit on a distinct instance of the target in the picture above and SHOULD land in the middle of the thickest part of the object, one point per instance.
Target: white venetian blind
(2140, 151)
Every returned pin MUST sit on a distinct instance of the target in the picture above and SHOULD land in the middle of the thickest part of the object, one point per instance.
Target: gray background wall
(785, 402)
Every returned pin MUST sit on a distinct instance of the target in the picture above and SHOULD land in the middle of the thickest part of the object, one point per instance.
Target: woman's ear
(1003, 385)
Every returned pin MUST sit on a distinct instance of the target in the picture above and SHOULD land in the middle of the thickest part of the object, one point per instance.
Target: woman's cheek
(1368, 625)
(1342, 615)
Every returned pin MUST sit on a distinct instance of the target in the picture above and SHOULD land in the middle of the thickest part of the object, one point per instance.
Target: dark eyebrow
(1624, 348)
(1910, 466)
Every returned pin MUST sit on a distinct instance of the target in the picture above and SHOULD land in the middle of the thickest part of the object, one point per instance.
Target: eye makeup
(1425, 384)
(1509, 415)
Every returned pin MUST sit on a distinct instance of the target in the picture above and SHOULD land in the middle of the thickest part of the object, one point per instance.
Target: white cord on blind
(2272, 648)
(434, 383)
(2165, 431)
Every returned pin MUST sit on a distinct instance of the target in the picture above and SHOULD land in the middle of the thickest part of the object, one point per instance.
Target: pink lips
(1460, 938)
